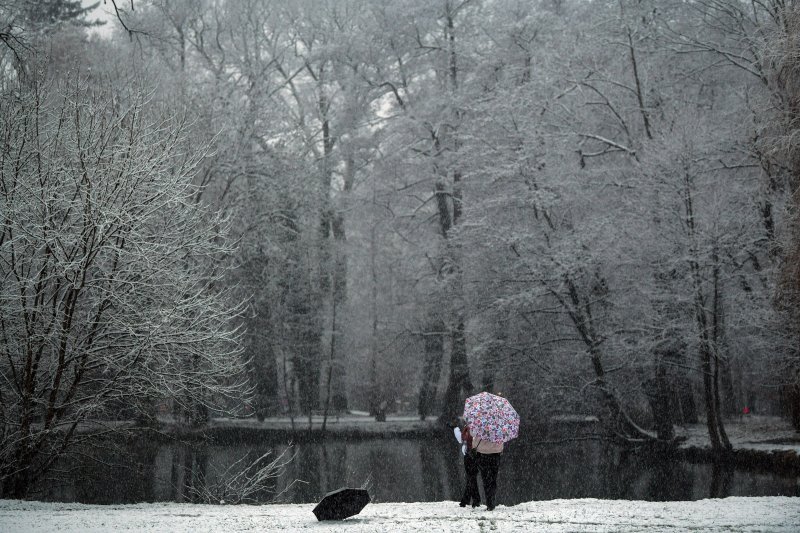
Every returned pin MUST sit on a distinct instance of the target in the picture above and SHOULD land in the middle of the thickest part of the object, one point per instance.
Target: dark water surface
(399, 470)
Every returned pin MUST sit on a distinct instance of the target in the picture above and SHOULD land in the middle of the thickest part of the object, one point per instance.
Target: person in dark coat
(487, 461)
(471, 495)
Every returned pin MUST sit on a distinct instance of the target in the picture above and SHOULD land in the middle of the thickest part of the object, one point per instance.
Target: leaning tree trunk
(614, 416)
(617, 419)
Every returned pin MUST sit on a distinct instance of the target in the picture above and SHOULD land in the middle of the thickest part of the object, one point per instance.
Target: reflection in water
(721, 480)
(432, 478)
(669, 481)
(398, 470)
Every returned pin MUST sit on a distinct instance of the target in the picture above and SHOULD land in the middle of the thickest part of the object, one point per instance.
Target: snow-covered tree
(107, 301)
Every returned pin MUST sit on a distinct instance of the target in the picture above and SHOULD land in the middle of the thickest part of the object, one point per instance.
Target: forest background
(287, 208)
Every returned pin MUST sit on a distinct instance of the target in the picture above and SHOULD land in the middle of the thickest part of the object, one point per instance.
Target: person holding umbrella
(492, 422)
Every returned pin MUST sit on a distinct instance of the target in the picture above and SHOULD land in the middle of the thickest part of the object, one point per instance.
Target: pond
(396, 470)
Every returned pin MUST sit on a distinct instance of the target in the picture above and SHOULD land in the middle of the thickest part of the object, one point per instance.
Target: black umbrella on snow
(341, 503)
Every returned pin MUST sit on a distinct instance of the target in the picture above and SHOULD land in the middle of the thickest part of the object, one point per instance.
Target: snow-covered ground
(772, 514)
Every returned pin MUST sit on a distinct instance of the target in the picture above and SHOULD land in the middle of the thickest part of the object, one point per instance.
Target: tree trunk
(459, 384)
(263, 366)
(579, 309)
(687, 403)
(434, 354)
(331, 364)
(723, 435)
(708, 328)
(374, 388)
(618, 421)
(449, 210)
(333, 259)
(306, 343)
(16, 486)
(659, 395)
(790, 402)
(708, 376)
(495, 355)
(639, 90)
(718, 344)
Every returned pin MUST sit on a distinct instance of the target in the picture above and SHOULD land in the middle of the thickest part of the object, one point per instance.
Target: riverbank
(774, 514)
(759, 442)
(756, 433)
(766, 433)
(763, 442)
(347, 426)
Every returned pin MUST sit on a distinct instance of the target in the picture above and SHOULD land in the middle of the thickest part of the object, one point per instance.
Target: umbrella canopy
(491, 417)
(341, 503)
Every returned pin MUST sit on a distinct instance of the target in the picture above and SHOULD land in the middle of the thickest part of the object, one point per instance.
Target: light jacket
(486, 446)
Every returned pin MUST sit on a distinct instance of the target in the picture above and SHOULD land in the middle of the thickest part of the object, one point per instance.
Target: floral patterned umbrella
(491, 417)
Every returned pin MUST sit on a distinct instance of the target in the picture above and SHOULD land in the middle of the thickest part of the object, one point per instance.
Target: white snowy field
(767, 514)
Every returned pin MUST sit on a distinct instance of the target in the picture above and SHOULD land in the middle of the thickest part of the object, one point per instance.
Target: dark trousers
(471, 495)
(488, 465)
